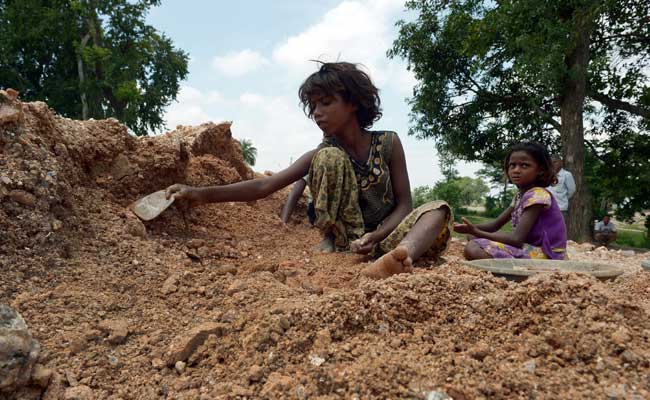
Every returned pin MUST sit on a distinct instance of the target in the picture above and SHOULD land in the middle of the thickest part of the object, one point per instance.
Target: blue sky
(248, 58)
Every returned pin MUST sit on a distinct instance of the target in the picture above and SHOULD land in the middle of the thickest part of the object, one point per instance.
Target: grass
(628, 234)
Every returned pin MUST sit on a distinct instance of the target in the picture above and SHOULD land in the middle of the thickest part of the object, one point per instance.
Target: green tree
(248, 151)
(458, 192)
(91, 59)
(492, 73)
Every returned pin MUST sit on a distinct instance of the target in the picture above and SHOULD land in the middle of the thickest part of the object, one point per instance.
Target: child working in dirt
(357, 178)
(538, 229)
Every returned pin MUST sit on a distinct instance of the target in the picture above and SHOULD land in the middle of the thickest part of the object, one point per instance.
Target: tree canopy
(249, 152)
(91, 59)
(493, 73)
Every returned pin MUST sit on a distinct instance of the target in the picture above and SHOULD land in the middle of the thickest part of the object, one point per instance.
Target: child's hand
(465, 227)
(190, 195)
(364, 244)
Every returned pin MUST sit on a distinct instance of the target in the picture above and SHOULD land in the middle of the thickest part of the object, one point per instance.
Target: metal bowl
(521, 269)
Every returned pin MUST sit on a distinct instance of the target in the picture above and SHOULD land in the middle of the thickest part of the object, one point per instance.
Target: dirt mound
(227, 302)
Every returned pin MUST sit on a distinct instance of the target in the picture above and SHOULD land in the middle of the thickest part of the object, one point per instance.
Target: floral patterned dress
(546, 239)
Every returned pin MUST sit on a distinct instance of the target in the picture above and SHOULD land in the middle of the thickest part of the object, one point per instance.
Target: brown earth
(227, 302)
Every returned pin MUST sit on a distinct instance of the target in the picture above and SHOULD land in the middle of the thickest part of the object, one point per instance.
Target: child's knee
(329, 156)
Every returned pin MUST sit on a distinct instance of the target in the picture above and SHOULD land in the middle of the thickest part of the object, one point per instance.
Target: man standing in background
(565, 187)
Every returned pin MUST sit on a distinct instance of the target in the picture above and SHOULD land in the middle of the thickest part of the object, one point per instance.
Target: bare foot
(326, 245)
(395, 262)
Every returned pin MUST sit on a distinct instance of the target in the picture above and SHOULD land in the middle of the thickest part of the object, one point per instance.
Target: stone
(117, 330)
(18, 350)
(236, 287)
(226, 269)
(255, 373)
(196, 243)
(621, 336)
(41, 375)
(276, 384)
(157, 363)
(135, 227)
(312, 288)
(180, 366)
(80, 392)
(56, 225)
(10, 110)
(121, 167)
(170, 285)
(185, 344)
(437, 395)
(23, 197)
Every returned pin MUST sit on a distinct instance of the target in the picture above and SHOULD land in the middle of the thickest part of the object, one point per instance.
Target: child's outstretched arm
(292, 199)
(491, 226)
(515, 238)
(243, 191)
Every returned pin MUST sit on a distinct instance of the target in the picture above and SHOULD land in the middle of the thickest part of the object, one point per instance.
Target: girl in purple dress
(538, 229)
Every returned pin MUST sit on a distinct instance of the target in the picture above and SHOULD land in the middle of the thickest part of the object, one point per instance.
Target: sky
(248, 58)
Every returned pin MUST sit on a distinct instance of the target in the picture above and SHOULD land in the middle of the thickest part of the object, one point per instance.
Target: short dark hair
(348, 81)
(539, 153)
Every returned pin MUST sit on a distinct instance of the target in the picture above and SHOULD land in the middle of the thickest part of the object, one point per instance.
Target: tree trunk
(80, 70)
(572, 133)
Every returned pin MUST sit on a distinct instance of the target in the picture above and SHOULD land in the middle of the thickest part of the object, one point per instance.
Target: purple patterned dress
(547, 238)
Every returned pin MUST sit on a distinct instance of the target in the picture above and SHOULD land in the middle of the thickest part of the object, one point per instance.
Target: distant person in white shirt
(565, 187)
(605, 231)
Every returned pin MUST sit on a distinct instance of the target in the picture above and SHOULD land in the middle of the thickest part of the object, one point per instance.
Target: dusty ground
(247, 307)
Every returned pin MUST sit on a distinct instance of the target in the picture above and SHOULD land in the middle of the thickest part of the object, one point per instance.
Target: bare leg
(415, 243)
(474, 252)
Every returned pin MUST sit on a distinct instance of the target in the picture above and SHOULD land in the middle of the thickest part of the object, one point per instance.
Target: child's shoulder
(537, 195)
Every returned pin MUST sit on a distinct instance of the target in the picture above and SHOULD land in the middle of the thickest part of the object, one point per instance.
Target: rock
(184, 345)
(170, 285)
(10, 110)
(530, 366)
(196, 243)
(121, 167)
(81, 392)
(23, 197)
(56, 389)
(41, 375)
(437, 395)
(157, 363)
(276, 384)
(226, 269)
(117, 330)
(255, 373)
(18, 350)
(236, 287)
(312, 288)
(616, 392)
(621, 336)
(56, 225)
(136, 228)
(180, 366)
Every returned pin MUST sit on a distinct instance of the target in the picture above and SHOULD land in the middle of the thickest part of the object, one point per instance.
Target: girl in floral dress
(538, 229)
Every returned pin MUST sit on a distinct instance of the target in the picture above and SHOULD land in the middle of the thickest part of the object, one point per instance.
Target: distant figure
(565, 187)
(605, 231)
(292, 199)
(538, 230)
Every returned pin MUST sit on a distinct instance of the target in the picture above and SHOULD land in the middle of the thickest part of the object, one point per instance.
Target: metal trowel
(150, 206)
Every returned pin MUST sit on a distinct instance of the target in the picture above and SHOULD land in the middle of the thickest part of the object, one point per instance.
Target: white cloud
(240, 63)
(192, 107)
(355, 31)
(250, 99)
